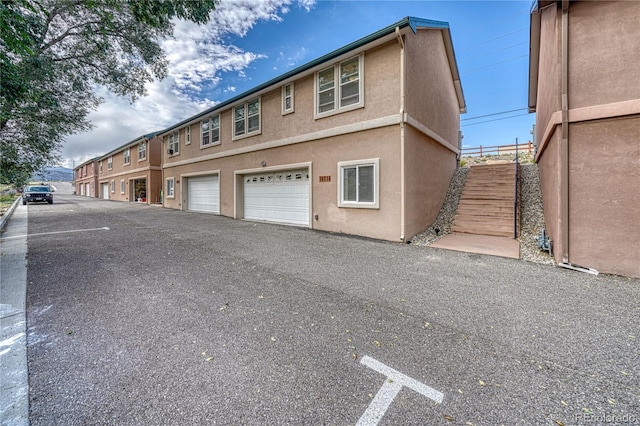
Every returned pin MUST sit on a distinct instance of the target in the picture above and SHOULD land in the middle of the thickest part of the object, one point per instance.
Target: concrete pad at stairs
(481, 244)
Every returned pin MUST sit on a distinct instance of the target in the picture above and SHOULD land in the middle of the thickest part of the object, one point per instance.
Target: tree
(54, 53)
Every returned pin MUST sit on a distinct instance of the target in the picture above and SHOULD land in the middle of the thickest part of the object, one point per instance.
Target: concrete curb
(5, 217)
(14, 384)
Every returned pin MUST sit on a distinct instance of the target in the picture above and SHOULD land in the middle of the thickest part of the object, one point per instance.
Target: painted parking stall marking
(392, 385)
(104, 228)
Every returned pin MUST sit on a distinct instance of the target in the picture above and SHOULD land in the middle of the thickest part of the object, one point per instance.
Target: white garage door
(203, 193)
(281, 197)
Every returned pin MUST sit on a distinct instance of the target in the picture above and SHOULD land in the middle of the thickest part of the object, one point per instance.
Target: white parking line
(385, 396)
(104, 228)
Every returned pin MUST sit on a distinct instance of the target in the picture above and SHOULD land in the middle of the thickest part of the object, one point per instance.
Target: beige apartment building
(131, 172)
(584, 85)
(85, 178)
(362, 140)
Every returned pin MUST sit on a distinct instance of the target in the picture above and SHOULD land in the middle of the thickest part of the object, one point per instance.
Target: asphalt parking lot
(137, 314)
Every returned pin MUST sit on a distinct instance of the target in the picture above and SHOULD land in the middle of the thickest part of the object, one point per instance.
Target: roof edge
(409, 21)
(131, 142)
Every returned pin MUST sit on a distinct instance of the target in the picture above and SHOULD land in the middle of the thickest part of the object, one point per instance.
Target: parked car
(37, 193)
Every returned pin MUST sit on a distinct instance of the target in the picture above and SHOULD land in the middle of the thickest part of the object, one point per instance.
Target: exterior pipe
(564, 148)
(402, 135)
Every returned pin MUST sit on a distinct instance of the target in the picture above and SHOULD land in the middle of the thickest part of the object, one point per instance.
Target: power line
(495, 119)
(493, 51)
(494, 39)
(494, 64)
(492, 114)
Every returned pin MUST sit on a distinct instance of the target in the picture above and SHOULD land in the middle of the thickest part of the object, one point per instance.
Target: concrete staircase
(487, 202)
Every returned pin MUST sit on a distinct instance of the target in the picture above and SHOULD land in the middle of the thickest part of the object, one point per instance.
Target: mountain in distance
(54, 174)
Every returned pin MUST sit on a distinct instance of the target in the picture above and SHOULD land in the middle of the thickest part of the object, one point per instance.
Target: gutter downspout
(402, 133)
(564, 147)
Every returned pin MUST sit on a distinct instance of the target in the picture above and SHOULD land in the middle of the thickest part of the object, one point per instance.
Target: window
(113, 186)
(187, 135)
(339, 87)
(359, 183)
(170, 188)
(100, 166)
(127, 156)
(210, 131)
(246, 118)
(174, 144)
(110, 163)
(142, 151)
(122, 186)
(287, 98)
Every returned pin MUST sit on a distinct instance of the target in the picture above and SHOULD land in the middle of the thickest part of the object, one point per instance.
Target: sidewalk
(14, 387)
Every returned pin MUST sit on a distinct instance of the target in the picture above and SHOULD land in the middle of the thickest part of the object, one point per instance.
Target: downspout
(402, 131)
(564, 147)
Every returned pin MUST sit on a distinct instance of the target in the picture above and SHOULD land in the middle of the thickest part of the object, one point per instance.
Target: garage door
(281, 197)
(203, 194)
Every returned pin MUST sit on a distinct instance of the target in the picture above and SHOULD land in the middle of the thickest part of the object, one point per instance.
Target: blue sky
(249, 42)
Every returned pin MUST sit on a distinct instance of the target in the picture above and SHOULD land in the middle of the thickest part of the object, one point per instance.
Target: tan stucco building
(85, 178)
(361, 141)
(584, 86)
(131, 172)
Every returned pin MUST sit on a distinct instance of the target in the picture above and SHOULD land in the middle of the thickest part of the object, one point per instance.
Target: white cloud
(197, 55)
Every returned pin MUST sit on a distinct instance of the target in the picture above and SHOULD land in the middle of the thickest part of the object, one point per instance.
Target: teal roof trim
(121, 147)
(409, 21)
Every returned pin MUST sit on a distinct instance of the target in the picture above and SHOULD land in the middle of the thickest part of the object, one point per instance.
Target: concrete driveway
(142, 315)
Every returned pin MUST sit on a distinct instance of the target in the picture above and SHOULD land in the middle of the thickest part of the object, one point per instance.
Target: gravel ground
(531, 214)
(442, 225)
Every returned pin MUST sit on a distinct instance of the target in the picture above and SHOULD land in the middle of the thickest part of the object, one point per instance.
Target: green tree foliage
(53, 55)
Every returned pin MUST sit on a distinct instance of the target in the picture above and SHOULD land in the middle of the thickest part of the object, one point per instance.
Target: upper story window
(127, 156)
(100, 166)
(246, 118)
(142, 151)
(84, 170)
(187, 135)
(110, 163)
(339, 87)
(174, 144)
(287, 98)
(210, 131)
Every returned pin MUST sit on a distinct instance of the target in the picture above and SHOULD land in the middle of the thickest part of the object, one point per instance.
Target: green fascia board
(412, 22)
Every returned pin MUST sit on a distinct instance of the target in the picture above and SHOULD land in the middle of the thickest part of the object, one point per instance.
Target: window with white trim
(246, 118)
(359, 183)
(210, 129)
(142, 151)
(171, 188)
(339, 87)
(174, 144)
(287, 98)
(122, 186)
(113, 186)
(127, 156)
(110, 163)
(100, 166)
(187, 135)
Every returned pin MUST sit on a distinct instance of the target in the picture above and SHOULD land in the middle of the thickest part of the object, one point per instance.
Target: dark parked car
(37, 193)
